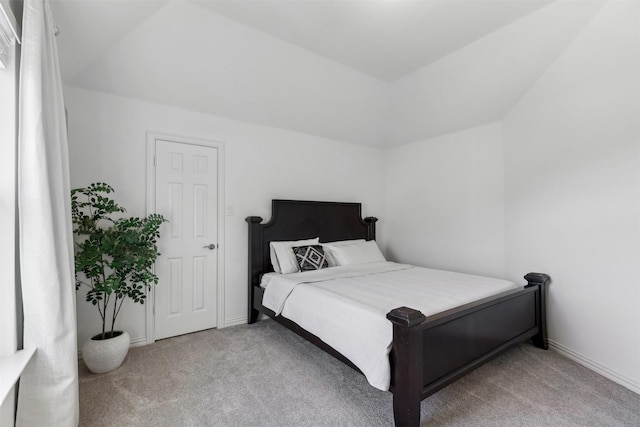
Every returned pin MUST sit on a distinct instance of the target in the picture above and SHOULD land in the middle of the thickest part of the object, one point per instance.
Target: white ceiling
(385, 39)
(89, 27)
(372, 72)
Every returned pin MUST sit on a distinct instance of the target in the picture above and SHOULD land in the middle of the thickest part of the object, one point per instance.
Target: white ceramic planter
(102, 356)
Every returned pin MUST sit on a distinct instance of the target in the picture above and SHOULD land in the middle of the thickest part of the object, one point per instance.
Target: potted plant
(114, 259)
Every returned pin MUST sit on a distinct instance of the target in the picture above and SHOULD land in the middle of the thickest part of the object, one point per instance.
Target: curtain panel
(48, 392)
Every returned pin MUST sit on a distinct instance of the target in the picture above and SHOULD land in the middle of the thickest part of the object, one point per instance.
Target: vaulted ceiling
(386, 39)
(372, 72)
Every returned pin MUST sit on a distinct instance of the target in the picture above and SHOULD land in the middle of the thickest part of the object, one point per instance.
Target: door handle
(210, 246)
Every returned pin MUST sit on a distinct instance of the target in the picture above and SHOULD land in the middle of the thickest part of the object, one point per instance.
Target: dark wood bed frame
(428, 353)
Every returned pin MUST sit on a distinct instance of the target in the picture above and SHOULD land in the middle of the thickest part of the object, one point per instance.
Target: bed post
(371, 227)
(407, 366)
(541, 280)
(255, 265)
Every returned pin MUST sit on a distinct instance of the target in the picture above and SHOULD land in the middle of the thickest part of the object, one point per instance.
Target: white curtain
(48, 393)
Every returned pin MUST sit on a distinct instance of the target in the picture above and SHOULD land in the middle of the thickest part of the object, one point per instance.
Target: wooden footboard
(429, 353)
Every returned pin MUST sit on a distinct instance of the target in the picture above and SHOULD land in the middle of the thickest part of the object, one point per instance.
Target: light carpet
(265, 375)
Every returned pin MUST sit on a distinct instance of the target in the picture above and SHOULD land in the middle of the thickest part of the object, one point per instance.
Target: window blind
(9, 32)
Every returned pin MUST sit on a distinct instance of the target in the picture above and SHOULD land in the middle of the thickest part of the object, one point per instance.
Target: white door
(186, 194)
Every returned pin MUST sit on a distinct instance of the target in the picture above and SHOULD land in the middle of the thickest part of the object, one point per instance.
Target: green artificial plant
(114, 256)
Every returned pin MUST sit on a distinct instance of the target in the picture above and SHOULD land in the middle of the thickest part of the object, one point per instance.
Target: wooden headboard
(298, 219)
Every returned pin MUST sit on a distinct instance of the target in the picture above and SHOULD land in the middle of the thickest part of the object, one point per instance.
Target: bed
(427, 352)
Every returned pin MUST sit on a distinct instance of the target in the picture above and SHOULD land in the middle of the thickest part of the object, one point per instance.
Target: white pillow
(357, 253)
(327, 249)
(283, 259)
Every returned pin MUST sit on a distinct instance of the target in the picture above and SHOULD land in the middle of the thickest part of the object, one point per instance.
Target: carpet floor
(264, 375)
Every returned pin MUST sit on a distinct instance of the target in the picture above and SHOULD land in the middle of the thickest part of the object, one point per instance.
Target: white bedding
(346, 306)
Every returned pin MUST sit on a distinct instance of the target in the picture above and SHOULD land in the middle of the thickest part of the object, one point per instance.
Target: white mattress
(346, 306)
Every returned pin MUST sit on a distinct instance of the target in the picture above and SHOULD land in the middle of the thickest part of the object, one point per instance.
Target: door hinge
(155, 161)
(154, 309)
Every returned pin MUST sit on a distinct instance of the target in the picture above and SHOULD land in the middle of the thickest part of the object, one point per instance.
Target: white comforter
(346, 306)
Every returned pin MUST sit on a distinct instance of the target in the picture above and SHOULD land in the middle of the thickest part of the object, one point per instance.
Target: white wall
(107, 142)
(572, 155)
(444, 202)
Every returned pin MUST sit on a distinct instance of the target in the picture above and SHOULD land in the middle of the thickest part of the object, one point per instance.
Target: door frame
(152, 137)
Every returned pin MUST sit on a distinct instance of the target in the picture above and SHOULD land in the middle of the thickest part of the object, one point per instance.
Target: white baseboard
(138, 342)
(614, 376)
(235, 321)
